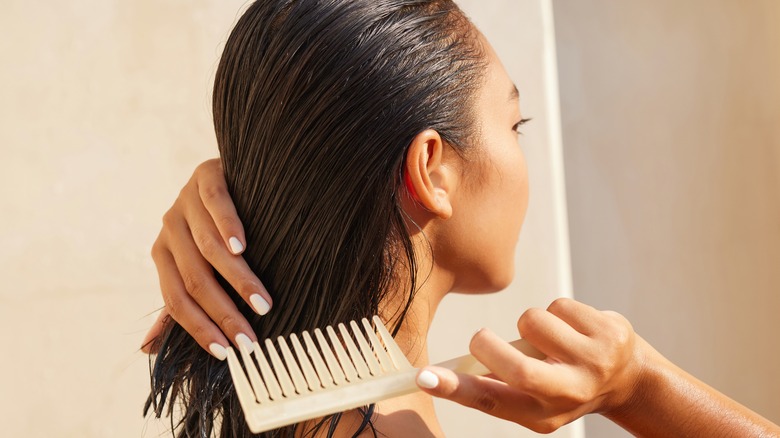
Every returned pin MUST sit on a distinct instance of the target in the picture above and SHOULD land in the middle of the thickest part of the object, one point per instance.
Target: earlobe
(427, 176)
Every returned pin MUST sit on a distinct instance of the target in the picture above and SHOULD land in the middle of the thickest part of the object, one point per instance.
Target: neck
(412, 337)
(433, 283)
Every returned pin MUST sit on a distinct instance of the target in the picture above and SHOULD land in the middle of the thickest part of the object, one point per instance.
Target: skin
(595, 362)
(189, 244)
(451, 212)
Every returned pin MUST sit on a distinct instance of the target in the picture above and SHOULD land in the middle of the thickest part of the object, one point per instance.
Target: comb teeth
(313, 379)
(330, 375)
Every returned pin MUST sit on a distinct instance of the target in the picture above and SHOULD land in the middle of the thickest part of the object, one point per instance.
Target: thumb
(154, 332)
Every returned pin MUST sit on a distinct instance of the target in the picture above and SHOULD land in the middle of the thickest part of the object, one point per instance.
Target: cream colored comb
(322, 378)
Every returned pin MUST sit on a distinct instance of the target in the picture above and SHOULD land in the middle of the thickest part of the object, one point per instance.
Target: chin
(501, 283)
(487, 282)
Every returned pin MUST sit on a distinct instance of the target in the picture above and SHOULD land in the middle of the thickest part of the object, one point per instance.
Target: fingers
(213, 192)
(539, 394)
(510, 365)
(580, 316)
(550, 334)
(590, 364)
(478, 392)
(184, 309)
(490, 396)
(603, 329)
(202, 232)
(234, 269)
(195, 275)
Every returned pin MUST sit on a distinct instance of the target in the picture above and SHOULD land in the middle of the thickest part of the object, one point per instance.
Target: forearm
(667, 400)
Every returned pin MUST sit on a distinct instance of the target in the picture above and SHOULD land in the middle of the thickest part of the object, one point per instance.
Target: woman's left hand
(202, 230)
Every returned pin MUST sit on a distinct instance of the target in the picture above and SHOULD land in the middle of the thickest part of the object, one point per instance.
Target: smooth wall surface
(106, 112)
(671, 140)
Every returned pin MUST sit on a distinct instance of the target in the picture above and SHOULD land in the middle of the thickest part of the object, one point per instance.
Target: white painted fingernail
(259, 303)
(428, 380)
(235, 245)
(243, 340)
(218, 351)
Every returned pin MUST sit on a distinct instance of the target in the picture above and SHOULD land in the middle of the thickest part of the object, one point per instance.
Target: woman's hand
(593, 363)
(201, 231)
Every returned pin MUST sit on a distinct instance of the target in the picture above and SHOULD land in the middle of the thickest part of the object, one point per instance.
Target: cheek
(513, 191)
(499, 209)
(512, 188)
(522, 189)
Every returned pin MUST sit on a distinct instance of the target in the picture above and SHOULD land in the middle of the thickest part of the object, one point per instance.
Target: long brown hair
(315, 104)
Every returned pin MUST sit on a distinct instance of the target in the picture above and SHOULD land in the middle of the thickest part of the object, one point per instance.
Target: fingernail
(235, 245)
(427, 379)
(477, 331)
(244, 341)
(218, 351)
(259, 303)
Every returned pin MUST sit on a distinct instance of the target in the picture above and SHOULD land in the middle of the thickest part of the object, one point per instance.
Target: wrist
(647, 372)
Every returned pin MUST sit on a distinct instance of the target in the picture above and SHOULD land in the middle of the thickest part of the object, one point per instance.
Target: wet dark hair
(315, 105)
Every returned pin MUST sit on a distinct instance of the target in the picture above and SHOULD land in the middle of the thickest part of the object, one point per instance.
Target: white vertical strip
(552, 98)
(555, 145)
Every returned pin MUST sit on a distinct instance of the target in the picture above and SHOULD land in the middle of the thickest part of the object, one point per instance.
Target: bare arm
(667, 398)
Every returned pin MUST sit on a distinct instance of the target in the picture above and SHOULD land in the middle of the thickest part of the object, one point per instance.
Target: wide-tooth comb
(314, 379)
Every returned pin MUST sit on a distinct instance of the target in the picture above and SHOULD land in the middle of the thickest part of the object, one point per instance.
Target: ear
(429, 179)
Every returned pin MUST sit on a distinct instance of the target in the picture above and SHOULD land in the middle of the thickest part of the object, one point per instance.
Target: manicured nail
(218, 351)
(260, 304)
(477, 331)
(235, 245)
(427, 380)
(243, 340)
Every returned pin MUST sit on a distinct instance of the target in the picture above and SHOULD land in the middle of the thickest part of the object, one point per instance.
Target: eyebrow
(514, 94)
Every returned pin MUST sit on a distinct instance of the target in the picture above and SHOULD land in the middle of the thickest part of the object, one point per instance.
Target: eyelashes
(516, 127)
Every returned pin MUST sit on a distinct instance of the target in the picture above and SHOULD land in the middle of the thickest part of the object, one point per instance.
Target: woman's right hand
(593, 359)
(200, 232)
(595, 363)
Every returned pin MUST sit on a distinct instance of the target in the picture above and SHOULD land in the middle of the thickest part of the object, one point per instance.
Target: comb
(313, 376)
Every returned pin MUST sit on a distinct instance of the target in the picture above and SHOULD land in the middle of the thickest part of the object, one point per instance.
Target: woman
(370, 148)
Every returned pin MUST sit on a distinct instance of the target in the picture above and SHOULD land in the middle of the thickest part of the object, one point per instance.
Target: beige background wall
(671, 133)
(106, 112)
